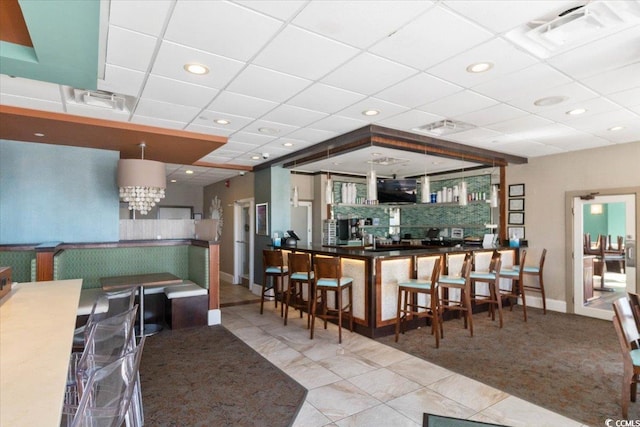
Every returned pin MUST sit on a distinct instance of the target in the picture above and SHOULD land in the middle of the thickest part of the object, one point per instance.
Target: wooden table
(141, 281)
(37, 321)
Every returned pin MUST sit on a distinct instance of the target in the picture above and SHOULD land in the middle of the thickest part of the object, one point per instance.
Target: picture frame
(516, 204)
(516, 232)
(262, 219)
(516, 218)
(516, 190)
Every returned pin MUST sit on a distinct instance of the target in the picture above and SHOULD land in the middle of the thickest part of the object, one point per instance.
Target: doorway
(603, 237)
(301, 220)
(243, 242)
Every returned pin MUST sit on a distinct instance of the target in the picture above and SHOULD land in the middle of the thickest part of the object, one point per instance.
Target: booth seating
(187, 305)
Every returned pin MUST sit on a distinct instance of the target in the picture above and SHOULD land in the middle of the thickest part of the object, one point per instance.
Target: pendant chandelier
(141, 182)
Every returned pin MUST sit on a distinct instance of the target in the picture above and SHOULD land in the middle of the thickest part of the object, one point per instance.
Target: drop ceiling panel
(325, 98)
(410, 119)
(208, 117)
(154, 121)
(267, 84)
(282, 10)
(458, 103)
(573, 92)
(221, 27)
(254, 139)
(97, 112)
(177, 92)
(123, 81)
(521, 124)
(172, 58)
(29, 88)
(368, 73)
(127, 15)
(304, 54)
(418, 90)
(359, 23)
(279, 129)
(208, 130)
(604, 121)
(528, 148)
(130, 49)
(339, 124)
(494, 114)
(31, 103)
(166, 111)
(609, 82)
(386, 109)
(630, 98)
(424, 35)
(241, 105)
(299, 117)
(593, 106)
(580, 141)
(311, 135)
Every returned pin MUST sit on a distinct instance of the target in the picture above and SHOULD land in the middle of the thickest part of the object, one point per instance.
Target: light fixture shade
(328, 191)
(425, 183)
(142, 183)
(372, 186)
(296, 197)
(462, 200)
(493, 200)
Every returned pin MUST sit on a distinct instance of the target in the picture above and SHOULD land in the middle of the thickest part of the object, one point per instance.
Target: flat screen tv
(397, 190)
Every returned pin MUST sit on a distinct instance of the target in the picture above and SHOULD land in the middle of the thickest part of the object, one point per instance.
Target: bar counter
(377, 272)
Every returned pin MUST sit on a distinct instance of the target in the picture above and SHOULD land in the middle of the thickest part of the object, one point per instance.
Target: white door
(301, 220)
(609, 285)
(243, 242)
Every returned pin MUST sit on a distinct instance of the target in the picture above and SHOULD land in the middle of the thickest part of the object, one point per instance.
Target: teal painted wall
(611, 222)
(57, 193)
(616, 220)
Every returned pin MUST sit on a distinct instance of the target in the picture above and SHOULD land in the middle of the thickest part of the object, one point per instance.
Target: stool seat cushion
(301, 276)
(452, 280)
(276, 270)
(184, 291)
(88, 297)
(510, 273)
(635, 356)
(527, 269)
(333, 282)
(416, 284)
(482, 275)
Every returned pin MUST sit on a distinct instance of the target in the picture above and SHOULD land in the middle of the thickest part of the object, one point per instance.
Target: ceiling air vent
(444, 127)
(387, 161)
(99, 99)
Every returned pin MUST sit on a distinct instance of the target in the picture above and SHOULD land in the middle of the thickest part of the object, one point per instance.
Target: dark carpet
(566, 363)
(205, 376)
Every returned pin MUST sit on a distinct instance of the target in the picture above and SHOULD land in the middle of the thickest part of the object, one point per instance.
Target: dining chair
(490, 277)
(455, 294)
(300, 274)
(517, 289)
(535, 272)
(634, 299)
(329, 278)
(410, 304)
(274, 269)
(628, 336)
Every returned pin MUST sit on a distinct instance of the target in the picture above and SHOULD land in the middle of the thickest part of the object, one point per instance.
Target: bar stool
(462, 284)
(328, 278)
(273, 264)
(517, 285)
(410, 291)
(299, 274)
(537, 272)
(492, 278)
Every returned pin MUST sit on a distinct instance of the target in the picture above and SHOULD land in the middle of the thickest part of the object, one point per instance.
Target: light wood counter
(37, 321)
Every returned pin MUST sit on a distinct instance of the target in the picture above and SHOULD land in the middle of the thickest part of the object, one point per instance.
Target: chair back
(107, 394)
(272, 258)
(634, 299)
(627, 321)
(299, 263)
(465, 272)
(120, 301)
(542, 258)
(327, 268)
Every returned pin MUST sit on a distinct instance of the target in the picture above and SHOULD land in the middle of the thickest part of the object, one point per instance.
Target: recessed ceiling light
(371, 112)
(174, 180)
(480, 67)
(255, 157)
(288, 144)
(222, 121)
(188, 172)
(576, 111)
(198, 69)
(268, 131)
(550, 100)
(616, 128)
(38, 134)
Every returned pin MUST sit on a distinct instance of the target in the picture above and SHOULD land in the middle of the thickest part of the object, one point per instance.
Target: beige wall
(547, 181)
(240, 187)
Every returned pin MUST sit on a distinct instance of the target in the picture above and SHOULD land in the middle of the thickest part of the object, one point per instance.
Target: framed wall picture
(516, 190)
(515, 232)
(262, 219)
(516, 204)
(516, 218)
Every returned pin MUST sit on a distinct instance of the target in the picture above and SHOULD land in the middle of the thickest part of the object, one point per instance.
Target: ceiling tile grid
(307, 71)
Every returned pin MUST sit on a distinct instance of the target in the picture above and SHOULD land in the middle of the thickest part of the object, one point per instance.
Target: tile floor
(365, 383)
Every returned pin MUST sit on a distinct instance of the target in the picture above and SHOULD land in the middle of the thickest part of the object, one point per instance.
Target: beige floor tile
(517, 412)
(470, 393)
(309, 416)
(378, 416)
(420, 371)
(384, 384)
(348, 365)
(416, 403)
(310, 374)
(340, 400)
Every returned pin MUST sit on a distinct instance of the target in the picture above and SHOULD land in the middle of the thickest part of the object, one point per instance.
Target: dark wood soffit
(163, 145)
(384, 137)
(224, 166)
(13, 29)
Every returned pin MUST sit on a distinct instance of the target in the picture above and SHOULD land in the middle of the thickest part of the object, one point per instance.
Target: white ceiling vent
(444, 127)
(99, 99)
(576, 26)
